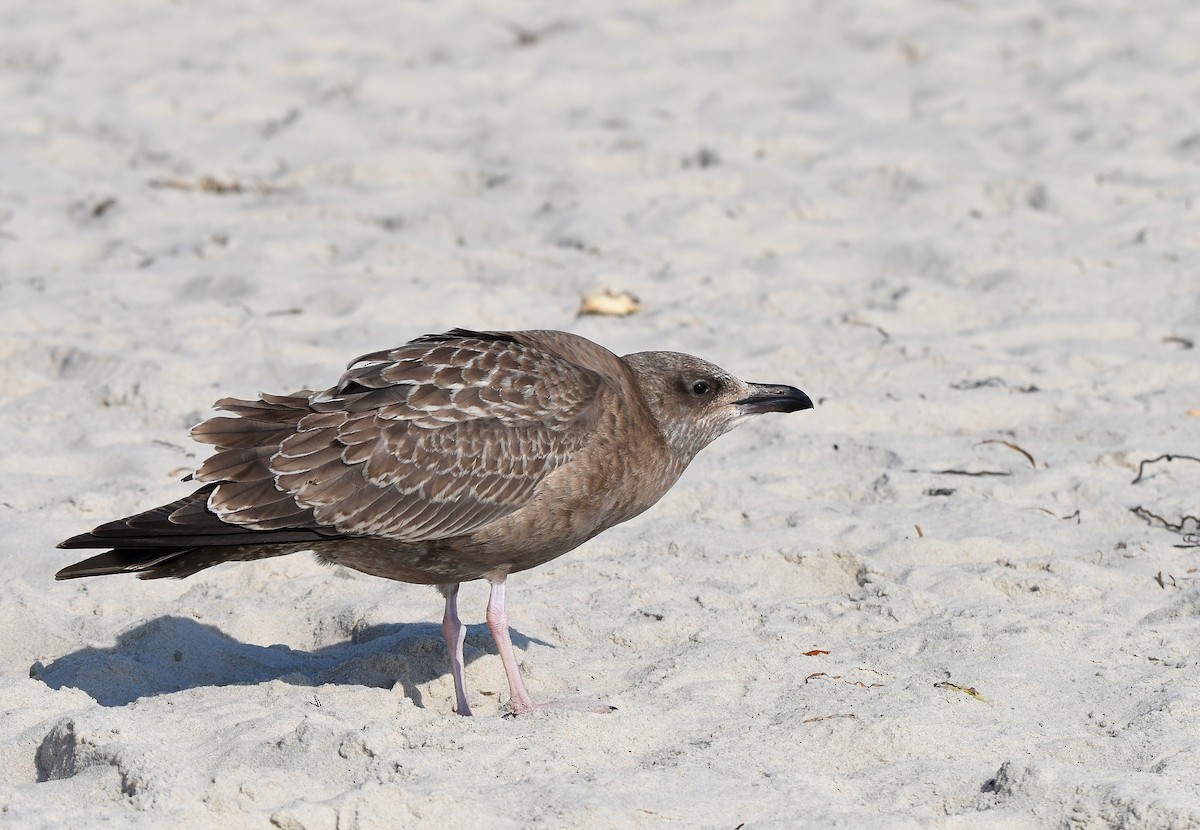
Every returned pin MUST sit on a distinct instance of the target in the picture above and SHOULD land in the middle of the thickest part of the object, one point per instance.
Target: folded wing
(433, 439)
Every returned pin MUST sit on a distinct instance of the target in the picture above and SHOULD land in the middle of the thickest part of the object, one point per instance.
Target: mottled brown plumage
(458, 456)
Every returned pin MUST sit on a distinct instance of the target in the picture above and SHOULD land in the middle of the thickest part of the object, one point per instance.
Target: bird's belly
(434, 563)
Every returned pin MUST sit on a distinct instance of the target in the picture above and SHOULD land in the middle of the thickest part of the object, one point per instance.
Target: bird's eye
(700, 388)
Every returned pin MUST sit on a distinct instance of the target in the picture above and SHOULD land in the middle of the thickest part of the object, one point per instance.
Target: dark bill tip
(769, 397)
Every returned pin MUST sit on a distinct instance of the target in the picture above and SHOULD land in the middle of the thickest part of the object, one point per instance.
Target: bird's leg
(497, 620)
(520, 703)
(455, 633)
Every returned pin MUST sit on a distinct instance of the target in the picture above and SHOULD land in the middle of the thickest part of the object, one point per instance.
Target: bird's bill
(770, 397)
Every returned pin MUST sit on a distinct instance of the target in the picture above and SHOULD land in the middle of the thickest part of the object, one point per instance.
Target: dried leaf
(609, 303)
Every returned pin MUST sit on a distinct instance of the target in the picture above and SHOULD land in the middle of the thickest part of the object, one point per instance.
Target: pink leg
(520, 702)
(455, 632)
(497, 620)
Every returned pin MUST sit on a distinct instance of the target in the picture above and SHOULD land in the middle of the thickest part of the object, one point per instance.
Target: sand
(969, 231)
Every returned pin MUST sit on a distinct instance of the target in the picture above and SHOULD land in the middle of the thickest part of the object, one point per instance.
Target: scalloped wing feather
(430, 440)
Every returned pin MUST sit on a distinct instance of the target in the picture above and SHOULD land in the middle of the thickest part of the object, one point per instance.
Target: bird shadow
(170, 654)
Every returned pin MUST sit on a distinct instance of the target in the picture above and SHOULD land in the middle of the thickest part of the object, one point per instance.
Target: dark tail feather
(187, 517)
(179, 539)
(176, 562)
(119, 561)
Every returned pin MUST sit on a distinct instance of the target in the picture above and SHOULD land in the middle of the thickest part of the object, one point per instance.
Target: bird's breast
(609, 481)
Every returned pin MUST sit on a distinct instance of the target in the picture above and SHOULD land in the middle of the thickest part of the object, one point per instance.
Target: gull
(457, 456)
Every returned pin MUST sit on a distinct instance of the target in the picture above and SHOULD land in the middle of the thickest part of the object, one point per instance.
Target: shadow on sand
(170, 654)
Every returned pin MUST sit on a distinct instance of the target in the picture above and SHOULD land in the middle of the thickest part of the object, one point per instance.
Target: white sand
(951, 223)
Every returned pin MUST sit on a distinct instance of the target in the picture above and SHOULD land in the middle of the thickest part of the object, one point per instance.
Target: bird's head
(695, 402)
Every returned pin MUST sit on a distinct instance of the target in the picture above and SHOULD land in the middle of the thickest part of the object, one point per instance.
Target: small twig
(963, 385)
(854, 321)
(211, 184)
(1183, 526)
(859, 683)
(1013, 447)
(967, 690)
(1074, 515)
(168, 445)
(1168, 457)
(1182, 341)
(1162, 582)
(972, 473)
(828, 717)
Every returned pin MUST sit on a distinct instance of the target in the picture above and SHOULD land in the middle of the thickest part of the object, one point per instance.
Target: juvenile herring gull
(458, 456)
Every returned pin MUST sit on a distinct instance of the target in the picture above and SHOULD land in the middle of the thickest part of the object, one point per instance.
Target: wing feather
(235, 465)
(432, 439)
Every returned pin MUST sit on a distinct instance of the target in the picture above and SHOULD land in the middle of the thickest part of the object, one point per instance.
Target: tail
(179, 539)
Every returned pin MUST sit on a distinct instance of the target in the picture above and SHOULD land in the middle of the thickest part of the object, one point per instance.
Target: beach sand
(969, 231)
